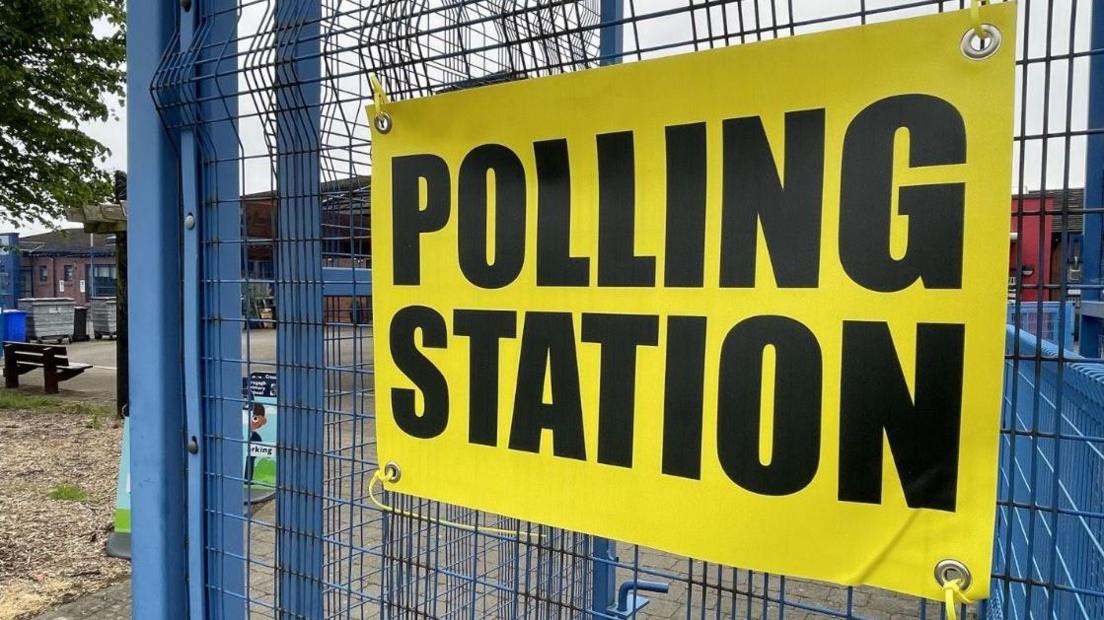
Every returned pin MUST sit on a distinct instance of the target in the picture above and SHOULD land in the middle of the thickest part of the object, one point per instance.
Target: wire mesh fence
(265, 101)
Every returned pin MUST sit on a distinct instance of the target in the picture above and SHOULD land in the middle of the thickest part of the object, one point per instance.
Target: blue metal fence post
(604, 550)
(611, 37)
(1092, 323)
(191, 335)
(604, 576)
(157, 420)
(299, 290)
(217, 355)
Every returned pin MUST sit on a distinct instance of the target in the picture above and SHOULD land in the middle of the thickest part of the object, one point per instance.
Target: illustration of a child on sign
(257, 420)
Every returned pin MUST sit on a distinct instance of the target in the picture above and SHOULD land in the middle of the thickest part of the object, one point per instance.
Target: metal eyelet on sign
(976, 47)
(383, 122)
(949, 570)
(392, 472)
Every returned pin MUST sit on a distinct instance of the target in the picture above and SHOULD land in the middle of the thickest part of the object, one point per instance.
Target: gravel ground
(52, 550)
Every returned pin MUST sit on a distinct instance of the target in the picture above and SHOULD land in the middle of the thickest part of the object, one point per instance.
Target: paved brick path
(111, 603)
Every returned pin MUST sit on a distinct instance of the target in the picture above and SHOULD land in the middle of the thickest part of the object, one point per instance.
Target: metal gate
(251, 165)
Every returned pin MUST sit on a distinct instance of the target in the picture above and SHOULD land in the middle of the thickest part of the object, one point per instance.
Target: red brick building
(1043, 225)
(345, 241)
(67, 263)
(346, 234)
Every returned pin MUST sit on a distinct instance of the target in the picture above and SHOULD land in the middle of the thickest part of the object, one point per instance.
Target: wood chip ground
(52, 551)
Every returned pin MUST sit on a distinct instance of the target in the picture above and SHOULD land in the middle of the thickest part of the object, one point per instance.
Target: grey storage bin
(103, 317)
(48, 318)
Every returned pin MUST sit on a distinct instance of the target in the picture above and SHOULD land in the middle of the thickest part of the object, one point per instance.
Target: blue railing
(1044, 319)
(1050, 513)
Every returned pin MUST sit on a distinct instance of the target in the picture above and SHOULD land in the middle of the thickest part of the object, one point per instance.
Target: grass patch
(76, 407)
(17, 400)
(68, 493)
(95, 421)
(14, 399)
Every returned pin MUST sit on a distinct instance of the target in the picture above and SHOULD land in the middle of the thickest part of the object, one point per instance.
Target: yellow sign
(745, 305)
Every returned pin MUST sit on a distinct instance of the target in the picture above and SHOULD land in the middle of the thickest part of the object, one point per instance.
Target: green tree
(56, 72)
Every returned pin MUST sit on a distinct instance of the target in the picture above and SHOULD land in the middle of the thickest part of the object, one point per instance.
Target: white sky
(112, 133)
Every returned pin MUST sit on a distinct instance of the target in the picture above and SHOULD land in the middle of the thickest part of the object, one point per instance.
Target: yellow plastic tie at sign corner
(379, 477)
(975, 15)
(379, 96)
(952, 596)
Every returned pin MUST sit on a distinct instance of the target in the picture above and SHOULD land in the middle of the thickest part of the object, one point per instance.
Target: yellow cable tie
(379, 96)
(378, 477)
(952, 596)
(975, 14)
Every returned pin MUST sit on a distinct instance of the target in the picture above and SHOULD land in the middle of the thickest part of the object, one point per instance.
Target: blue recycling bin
(13, 327)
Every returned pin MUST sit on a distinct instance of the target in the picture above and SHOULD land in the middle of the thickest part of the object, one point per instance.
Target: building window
(27, 282)
(43, 273)
(103, 280)
(259, 270)
(67, 273)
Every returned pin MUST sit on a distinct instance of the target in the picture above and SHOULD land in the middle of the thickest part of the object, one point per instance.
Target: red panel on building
(1031, 246)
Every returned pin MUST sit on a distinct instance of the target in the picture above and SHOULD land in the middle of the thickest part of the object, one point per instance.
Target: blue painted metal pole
(300, 442)
(1092, 327)
(156, 413)
(190, 294)
(603, 577)
(192, 330)
(219, 220)
(610, 42)
(604, 550)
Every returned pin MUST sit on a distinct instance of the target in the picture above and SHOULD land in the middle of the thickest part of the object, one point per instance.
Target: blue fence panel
(1049, 320)
(1049, 525)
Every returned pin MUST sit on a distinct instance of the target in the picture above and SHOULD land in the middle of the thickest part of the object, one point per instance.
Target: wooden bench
(23, 357)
